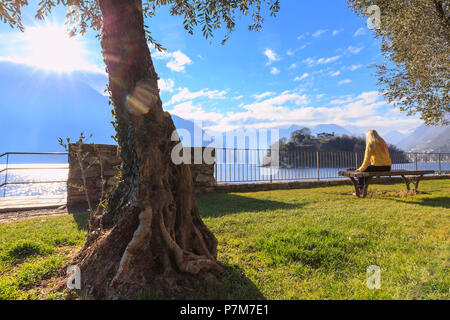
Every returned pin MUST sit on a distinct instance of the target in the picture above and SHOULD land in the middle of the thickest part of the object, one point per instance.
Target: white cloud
(290, 52)
(361, 31)
(319, 32)
(291, 107)
(178, 60)
(274, 70)
(335, 74)
(343, 100)
(353, 50)
(345, 81)
(188, 111)
(238, 97)
(166, 85)
(337, 31)
(365, 104)
(269, 109)
(184, 95)
(302, 36)
(354, 67)
(309, 61)
(312, 62)
(305, 45)
(271, 55)
(285, 109)
(303, 76)
(263, 95)
(328, 60)
(292, 66)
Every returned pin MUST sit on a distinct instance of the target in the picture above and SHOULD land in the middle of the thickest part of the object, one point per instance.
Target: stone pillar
(202, 173)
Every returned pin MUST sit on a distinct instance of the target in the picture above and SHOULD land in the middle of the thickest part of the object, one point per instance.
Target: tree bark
(150, 238)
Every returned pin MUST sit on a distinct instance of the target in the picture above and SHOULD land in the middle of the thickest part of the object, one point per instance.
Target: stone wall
(202, 174)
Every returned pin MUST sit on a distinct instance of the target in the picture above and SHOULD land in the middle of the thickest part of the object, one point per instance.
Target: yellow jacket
(377, 155)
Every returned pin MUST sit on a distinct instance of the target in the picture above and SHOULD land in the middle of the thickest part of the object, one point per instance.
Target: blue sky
(308, 66)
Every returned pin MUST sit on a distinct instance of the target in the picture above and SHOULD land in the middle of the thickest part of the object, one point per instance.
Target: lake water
(58, 172)
(224, 173)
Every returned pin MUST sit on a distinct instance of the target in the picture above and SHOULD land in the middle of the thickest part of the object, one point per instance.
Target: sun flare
(50, 47)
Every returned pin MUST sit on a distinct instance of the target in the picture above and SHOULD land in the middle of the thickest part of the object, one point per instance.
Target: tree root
(136, 245)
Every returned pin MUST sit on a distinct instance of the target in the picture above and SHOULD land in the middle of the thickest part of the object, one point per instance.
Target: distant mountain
(394, 137)
(427, 139)
(331, 128)
(37, 107)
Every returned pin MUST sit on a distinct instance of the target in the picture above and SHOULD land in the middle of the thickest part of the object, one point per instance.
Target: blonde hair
(373, 138)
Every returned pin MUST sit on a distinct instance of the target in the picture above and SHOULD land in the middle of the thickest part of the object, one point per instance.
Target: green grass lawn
(312, 243)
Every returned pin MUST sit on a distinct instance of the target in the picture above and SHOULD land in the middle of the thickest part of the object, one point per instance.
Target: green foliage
(415, 39)
(208, 15)
(298, 136)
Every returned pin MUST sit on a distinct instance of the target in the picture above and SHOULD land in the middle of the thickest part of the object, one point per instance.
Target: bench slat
(354, 173)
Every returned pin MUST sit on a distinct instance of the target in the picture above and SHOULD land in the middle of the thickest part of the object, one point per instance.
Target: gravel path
(27, 214)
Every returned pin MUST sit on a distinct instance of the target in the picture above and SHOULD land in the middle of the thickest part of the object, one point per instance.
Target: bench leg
(366, 187)
(416, 183)
(407, 182)
(355, 184)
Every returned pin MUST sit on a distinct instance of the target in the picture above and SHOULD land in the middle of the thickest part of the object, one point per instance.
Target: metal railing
(8, 169)
(253, 165)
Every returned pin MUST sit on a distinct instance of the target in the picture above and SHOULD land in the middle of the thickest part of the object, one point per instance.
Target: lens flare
(141, 99)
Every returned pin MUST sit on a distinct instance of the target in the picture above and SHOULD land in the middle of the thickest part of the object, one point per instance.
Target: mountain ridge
(427, 139)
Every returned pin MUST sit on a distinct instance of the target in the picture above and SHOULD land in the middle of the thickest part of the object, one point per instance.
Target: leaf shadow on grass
(443, 202)
(220, 204)
(18, 252)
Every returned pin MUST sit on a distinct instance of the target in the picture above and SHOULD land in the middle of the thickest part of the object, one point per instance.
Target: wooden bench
(407, 176)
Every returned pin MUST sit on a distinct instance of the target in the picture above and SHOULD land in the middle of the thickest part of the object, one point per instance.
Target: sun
(50, 47)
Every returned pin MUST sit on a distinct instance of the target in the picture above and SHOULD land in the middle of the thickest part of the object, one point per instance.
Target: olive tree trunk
(150, 238)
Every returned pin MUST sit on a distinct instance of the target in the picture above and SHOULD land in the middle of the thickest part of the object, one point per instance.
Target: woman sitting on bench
(376, 158)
